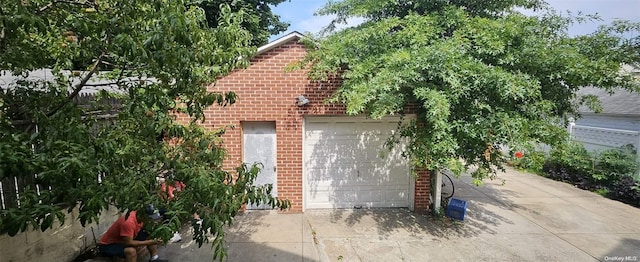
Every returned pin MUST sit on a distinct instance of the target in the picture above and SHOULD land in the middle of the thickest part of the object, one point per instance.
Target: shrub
(609, 173)
(613, 164)
(532, 161)
(573, 156)
(557, 171)
(571, 163)
(626, 190)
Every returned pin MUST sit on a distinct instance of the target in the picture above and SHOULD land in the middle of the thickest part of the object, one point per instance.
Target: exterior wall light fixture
(301, 101)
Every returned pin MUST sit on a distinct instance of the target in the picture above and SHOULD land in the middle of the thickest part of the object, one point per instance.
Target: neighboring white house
(617, 125)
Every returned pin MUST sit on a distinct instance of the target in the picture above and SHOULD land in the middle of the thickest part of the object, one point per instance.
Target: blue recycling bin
(456, 209)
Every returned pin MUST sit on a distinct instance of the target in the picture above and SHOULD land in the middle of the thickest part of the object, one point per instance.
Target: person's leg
(131, 254)
(153, 249)
(112, 250)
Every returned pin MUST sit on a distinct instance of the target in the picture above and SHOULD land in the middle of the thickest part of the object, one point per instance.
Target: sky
(299, 13)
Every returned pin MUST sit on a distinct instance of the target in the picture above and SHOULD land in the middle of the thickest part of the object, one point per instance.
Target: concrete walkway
(255, 236)
(526, 218)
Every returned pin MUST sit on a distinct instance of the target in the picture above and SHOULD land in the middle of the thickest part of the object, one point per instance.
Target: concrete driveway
(526, 218)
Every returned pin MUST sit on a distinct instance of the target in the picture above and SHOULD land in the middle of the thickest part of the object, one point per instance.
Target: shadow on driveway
(519, 217)
(254, 236)
(523, 218)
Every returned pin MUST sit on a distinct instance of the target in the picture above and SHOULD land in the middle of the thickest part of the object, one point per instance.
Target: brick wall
(422, 188)
(267, 93)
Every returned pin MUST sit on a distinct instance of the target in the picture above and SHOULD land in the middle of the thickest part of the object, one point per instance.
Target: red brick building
(313, 153)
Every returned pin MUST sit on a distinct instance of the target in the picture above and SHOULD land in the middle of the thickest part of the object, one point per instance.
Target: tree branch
(86, 78)
(2, 26)
(51, 4)
(118, 82)
(109, 64)
(79, 86)
(102, 84)
(122, 69)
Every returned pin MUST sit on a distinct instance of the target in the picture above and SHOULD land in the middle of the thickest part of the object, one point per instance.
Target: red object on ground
(519, 154)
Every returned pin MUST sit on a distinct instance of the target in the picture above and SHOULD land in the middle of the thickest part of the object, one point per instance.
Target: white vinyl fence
(599, 139)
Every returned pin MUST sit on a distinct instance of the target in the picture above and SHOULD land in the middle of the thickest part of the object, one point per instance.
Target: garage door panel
(328, 178)
(342, 149)
(341, 168)
(343, 196)
(328, 195)
(391, 192)
(337, 147)
(344, 128)
(399, 193)
(382, 174)
(333, 199)
(324, 183)
(344, 166)
(371, 196)
(331, 137)
(351, 199)
(341, 183)
(329, 161)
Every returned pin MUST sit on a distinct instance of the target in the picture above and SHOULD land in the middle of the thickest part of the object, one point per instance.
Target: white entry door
(347, 165)
(259, 142)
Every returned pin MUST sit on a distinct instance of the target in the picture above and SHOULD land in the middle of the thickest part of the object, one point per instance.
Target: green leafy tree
(260, 20)
(156, 57)
(479, 73)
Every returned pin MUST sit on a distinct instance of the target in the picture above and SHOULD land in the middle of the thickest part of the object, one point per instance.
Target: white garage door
(346, 164)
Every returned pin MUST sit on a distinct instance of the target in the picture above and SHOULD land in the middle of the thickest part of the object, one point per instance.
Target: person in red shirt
(124, 237)
(169, 191)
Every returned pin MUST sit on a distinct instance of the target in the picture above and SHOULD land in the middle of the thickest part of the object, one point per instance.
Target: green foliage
(617, 162)
(608, 173)
(480, 73)
(156, 57)
(573, 156)
(260, 21)
(532, 161)
(602, 169)
(602, 191)
(626, 190)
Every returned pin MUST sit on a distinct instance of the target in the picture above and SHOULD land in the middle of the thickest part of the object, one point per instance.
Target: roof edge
(623, 115)
(295, 35)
